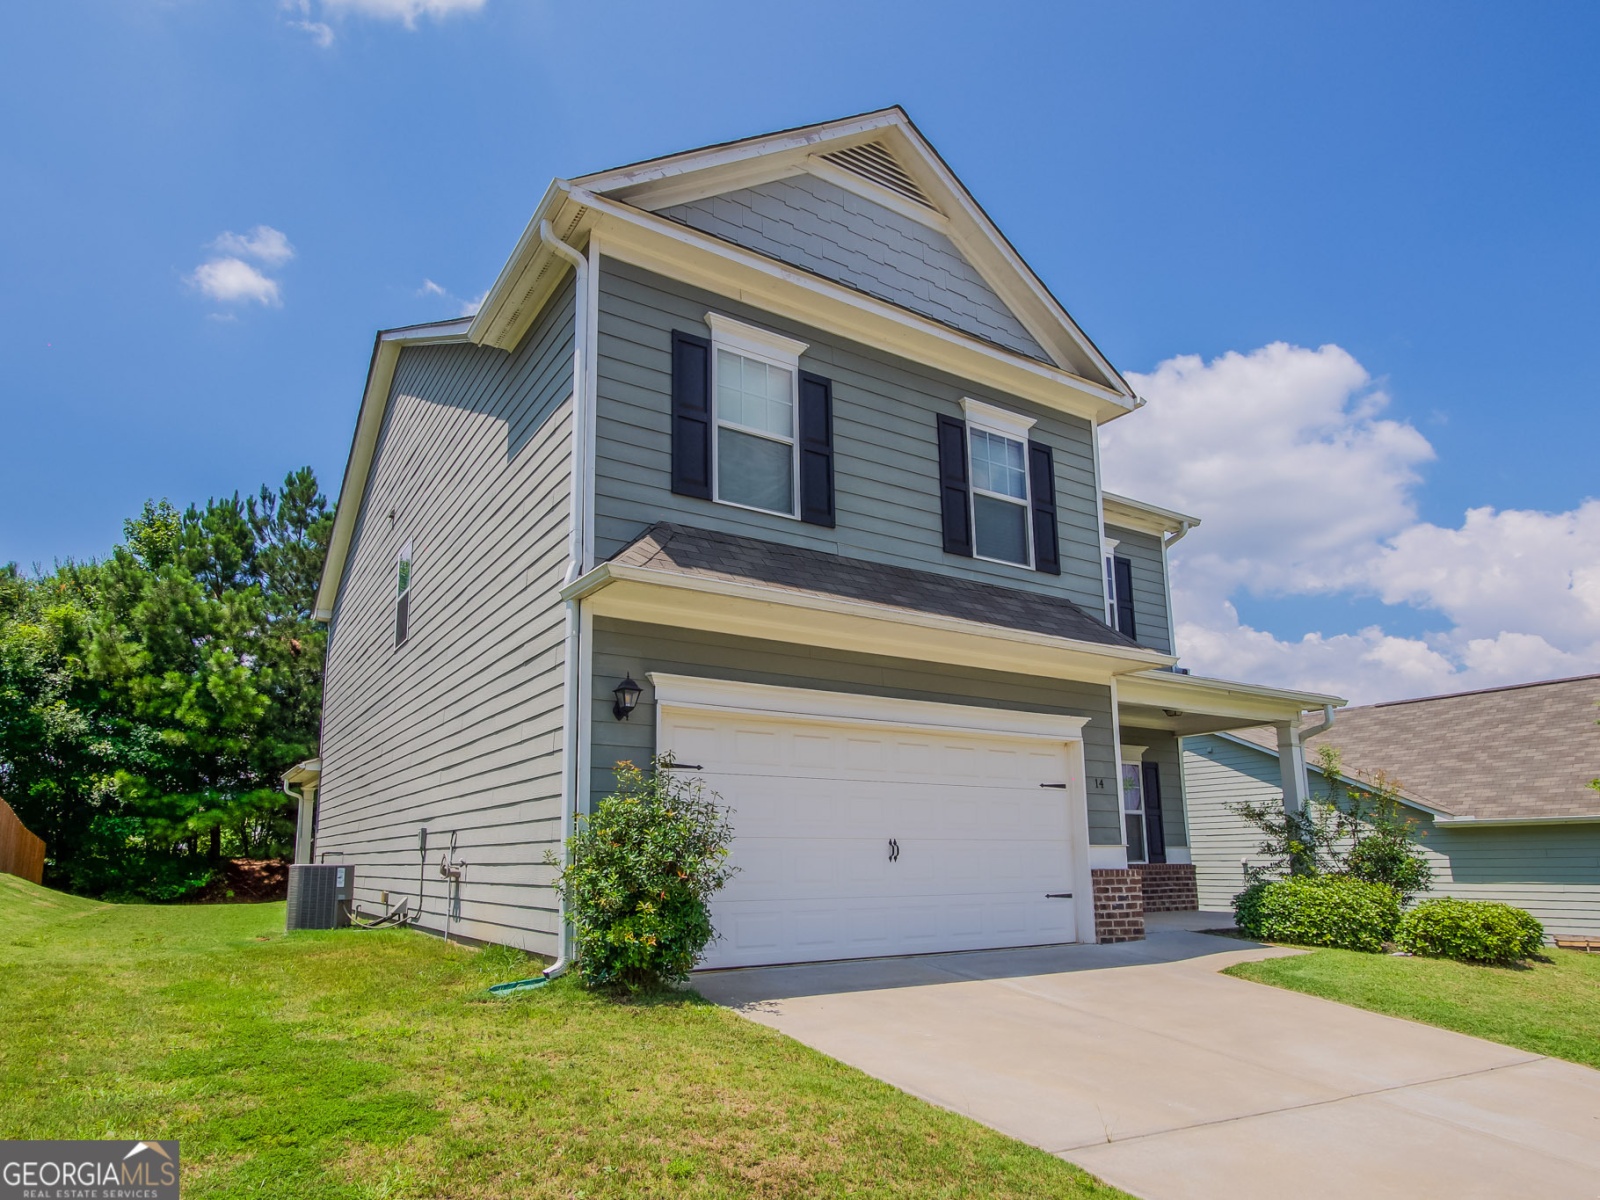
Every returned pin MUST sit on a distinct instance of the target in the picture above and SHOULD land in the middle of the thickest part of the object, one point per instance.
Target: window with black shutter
(816, 450)
(955, 503)
(1122, 577)
(749, 428)
(1155, 832)
(691, 415)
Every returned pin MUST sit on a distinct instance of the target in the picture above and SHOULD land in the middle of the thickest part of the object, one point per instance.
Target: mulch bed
(247, 881)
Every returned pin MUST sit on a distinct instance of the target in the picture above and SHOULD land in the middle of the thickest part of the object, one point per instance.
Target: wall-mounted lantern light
(627, 694)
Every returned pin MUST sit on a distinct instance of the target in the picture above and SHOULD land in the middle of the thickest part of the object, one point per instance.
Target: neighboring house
(777, 457)
(1496, 780)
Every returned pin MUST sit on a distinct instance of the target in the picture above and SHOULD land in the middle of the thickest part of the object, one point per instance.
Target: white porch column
(305, 828)
(1292, 766)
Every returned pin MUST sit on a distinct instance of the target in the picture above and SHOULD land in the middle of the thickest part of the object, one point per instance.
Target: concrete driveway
(1142, 1064)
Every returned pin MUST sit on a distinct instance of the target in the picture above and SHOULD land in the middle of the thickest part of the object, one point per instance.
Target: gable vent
(873, 160)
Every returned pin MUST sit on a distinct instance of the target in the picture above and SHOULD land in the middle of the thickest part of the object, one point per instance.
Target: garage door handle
(1058, 895)
(894, 850)
(1053, 785)
(682, 767)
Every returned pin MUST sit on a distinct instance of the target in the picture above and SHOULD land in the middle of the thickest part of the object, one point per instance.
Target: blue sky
(1412, 184)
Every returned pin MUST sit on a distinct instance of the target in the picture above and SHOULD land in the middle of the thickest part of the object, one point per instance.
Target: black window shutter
(1122, 576)
(691, 415)
(816, 450)
(402, 619)
(1155, 832)
(954, 502)
(1042, 482)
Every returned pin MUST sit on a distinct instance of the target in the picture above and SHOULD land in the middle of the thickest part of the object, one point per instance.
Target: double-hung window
(755, 396)
(997, 449)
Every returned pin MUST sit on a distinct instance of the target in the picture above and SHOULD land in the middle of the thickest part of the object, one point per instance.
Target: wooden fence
(20, 852)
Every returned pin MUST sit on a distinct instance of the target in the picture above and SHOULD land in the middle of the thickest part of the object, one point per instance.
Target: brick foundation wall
(1118, 905)
(1169, 887)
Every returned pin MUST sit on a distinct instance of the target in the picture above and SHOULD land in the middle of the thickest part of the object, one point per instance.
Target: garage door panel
(814, 807)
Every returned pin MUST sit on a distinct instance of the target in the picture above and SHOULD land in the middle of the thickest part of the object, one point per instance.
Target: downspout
(571, 712)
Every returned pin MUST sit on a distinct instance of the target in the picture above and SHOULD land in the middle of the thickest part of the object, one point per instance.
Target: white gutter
(571, 710)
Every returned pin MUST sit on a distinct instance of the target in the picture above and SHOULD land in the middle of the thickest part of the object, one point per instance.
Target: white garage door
(856, 839)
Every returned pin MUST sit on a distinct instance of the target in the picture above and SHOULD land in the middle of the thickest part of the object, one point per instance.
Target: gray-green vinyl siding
(886, 465)
(1162, 748)
(459, 730)
(623, 648)
(1150, 619)
(813, 223)
(1553, 871)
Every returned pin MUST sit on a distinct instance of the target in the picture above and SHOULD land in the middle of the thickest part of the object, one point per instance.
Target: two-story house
(774, 456)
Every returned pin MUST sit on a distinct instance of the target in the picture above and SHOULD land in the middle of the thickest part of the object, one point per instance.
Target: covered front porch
(1156, 710)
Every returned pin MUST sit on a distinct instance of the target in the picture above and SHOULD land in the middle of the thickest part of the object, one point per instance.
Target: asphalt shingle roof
(1523, 751)
(688, 551)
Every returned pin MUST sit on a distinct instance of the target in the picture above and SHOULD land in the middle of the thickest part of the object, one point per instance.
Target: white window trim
(1109, 548)
(1015, 427)
(763, 345)
(1133, 756)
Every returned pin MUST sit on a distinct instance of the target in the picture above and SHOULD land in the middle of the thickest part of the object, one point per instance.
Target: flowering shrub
(641, 871)
(1471, 930)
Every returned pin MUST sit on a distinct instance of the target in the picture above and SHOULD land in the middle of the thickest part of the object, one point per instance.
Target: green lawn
(1549, 1008)
(365, 1064)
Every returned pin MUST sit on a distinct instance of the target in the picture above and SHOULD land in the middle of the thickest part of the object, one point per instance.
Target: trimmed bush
(643, 867)
(1319, 910)
(1478, 931)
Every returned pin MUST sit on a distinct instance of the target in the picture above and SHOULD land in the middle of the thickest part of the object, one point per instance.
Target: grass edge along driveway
(1550, 1007)
(367, 1064)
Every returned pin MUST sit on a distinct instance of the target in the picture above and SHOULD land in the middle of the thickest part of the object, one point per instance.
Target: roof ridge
(1504, 687)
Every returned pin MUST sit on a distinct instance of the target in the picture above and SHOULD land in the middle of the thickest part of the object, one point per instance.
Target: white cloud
(234, 281)
(263, 243)
(1307, 488)
(464, 308)
(406, 12)
(229, 279)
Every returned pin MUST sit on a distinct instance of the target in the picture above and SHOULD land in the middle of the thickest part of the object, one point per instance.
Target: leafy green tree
(149, 702)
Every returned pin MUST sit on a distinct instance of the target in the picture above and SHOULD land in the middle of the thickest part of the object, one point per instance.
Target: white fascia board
(1146, 518)
(369, 423)
(837, 133)
(778, 614)
(531, 273)
(808, 704)
(309, 771)
(1170, 690)
(685, 254)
